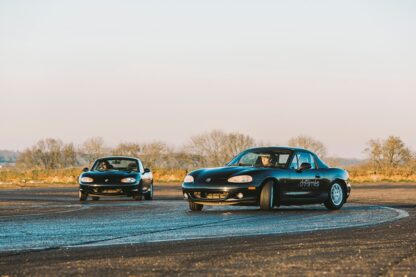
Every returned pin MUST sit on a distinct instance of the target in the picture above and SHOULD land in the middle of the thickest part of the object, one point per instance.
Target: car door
(290, 185)
(304, 183)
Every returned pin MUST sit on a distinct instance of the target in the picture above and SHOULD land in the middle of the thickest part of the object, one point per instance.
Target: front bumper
(230, 194)
(111, 189)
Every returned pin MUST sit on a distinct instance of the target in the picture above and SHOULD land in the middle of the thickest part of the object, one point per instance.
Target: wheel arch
(275, 185)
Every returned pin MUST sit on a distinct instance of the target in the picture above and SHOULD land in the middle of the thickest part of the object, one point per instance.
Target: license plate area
(211, 195)
(112, 191)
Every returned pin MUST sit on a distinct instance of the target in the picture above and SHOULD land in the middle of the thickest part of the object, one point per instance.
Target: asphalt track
(42, 219)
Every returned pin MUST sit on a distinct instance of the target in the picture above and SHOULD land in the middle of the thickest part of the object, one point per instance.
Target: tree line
(389, 156)
(213, 148)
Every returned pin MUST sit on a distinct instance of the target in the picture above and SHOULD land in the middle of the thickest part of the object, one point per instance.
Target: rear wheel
(267, 197)
(195, 207)
(82, 196)
(336, 197)
(95, 198)
(149, 195)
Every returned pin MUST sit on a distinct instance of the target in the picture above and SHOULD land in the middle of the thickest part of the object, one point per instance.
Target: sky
(342, 72)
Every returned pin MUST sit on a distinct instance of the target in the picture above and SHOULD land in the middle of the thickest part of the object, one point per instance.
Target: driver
(266, 161)
(104, 166)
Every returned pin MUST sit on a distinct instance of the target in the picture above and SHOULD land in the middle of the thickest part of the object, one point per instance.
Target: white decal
(309, 184)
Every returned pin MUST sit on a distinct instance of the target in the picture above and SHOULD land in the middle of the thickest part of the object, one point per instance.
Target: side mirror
(305, 166)
(146, 170)
(85, 169)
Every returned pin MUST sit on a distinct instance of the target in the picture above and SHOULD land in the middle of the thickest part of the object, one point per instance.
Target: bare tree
(388, 154)
(26, 159)
(93, 148)
(308, 143)
(375, 152)
(217, 147)
(235, 143)
(184, 160)
(156, 154)
(127, 149)
(395, 152)
(68, 155)
(48, 154)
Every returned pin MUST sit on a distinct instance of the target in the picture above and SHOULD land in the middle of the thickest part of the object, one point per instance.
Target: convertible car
(116, 176)
(268, 177)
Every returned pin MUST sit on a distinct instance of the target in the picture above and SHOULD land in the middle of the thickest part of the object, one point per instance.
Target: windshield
(115, 165)
(256, 158)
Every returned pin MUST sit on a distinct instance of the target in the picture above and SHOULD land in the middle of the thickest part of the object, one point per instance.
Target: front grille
(207, 180)
(210, 195)
(110, 180)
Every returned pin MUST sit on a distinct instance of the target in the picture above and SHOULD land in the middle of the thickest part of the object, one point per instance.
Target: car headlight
(188, 179)
(86, 180)
(240, 179)
(128, 180)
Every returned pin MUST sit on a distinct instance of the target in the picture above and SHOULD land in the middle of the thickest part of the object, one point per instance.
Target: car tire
(267, 197)
(137, 197)
(95, 198)
(195, 207)
(149, 195)
(336, 197)
(82, 196)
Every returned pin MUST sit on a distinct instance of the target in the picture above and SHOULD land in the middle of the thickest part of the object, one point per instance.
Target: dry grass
(169, 175)
(13, 177)
(363, 174)
(381, 178)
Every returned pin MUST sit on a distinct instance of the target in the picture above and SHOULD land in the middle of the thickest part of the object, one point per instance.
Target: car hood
(221, 173)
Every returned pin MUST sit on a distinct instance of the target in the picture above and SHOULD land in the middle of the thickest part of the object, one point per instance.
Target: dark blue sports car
(268, 177)
(113, 176)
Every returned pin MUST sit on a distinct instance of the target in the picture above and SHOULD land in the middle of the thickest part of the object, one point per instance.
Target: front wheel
(149, 195)
(267, 197)
(195, 207)
(336, 197)
(82, 196)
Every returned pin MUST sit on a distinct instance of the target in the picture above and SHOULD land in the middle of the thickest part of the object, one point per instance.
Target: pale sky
(341, 71)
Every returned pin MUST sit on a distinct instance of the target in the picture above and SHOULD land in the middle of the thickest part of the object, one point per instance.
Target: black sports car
(116, 176)
(269, 177)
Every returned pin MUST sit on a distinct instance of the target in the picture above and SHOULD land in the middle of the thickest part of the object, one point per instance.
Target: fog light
(185, 195)
(240, 195)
